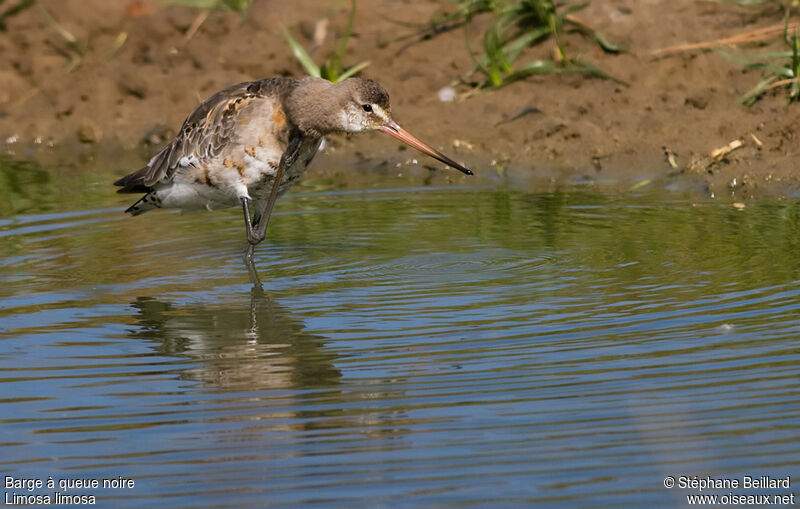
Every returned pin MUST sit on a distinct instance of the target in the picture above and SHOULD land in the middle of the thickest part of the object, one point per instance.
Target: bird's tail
(145, 203)
(133, 182)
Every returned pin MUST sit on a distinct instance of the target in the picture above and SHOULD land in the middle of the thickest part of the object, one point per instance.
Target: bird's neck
(315, 106)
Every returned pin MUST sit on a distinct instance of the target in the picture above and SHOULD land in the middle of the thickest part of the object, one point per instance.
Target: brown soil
(585, 128)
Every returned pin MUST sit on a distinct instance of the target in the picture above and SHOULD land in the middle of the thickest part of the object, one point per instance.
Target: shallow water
(412, 346)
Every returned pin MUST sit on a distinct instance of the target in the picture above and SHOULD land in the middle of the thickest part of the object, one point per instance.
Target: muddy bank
(568, 128)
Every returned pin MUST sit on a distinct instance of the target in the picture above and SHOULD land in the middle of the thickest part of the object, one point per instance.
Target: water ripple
(422, 346)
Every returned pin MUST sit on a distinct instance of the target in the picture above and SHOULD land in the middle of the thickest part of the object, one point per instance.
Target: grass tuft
(515, 26)
(781, 69)
(333, 68)
(205, 7)
(73, 49)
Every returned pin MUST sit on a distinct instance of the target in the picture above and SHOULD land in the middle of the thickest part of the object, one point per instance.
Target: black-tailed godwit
(247, 144)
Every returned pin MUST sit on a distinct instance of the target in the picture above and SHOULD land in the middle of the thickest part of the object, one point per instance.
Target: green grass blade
(496, 61)
(237, 5)
(776, 69)
(336, 59)
(354, 70)
(794, 88)
(119, 41)
(543, 67)
(479, 65)
(752, 96)
(301, 55)
(586, 67)
(224, 5)
(516, 46)
(496, 53)
(538, 67)
(606, 45)
(573, 9)
(196, 4)
(770, 55)
(329, 74)
(55, 25)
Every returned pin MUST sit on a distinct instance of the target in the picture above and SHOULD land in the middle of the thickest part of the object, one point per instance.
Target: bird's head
(365, 106)
(353, 106)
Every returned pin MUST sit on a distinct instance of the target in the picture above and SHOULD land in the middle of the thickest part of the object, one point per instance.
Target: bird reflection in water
(264, 351)
(240, 347)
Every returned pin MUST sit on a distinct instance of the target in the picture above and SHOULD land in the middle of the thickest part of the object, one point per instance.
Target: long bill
(392, 129)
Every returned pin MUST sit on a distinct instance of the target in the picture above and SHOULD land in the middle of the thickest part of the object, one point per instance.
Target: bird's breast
(257, 164)
(251, 160)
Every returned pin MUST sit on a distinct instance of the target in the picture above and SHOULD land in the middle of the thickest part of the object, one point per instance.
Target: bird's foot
(254, 233)
(254, 237)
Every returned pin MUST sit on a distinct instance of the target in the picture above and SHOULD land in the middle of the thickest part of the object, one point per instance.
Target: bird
(247, 144)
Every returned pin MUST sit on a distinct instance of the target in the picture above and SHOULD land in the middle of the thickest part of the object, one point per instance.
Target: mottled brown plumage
(205, 131)
(249, 143)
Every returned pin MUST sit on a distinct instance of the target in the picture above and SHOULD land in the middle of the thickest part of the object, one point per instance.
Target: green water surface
(413, 345)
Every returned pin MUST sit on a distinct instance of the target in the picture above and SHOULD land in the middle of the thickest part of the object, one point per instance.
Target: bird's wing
(204, 133)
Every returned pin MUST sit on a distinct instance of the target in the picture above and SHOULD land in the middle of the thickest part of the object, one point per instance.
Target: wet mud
(663, 127)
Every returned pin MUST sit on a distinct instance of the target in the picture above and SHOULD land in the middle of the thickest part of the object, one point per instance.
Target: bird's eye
(367, 108)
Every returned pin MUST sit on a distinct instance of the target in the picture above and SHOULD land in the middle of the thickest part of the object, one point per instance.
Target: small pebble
(86, 134)
(447, 94)
(462, 143)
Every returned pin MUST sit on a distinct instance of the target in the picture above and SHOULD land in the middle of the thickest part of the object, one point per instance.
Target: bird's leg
(256, 234)
(251, 239)
(288, 158)
(248, 223)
